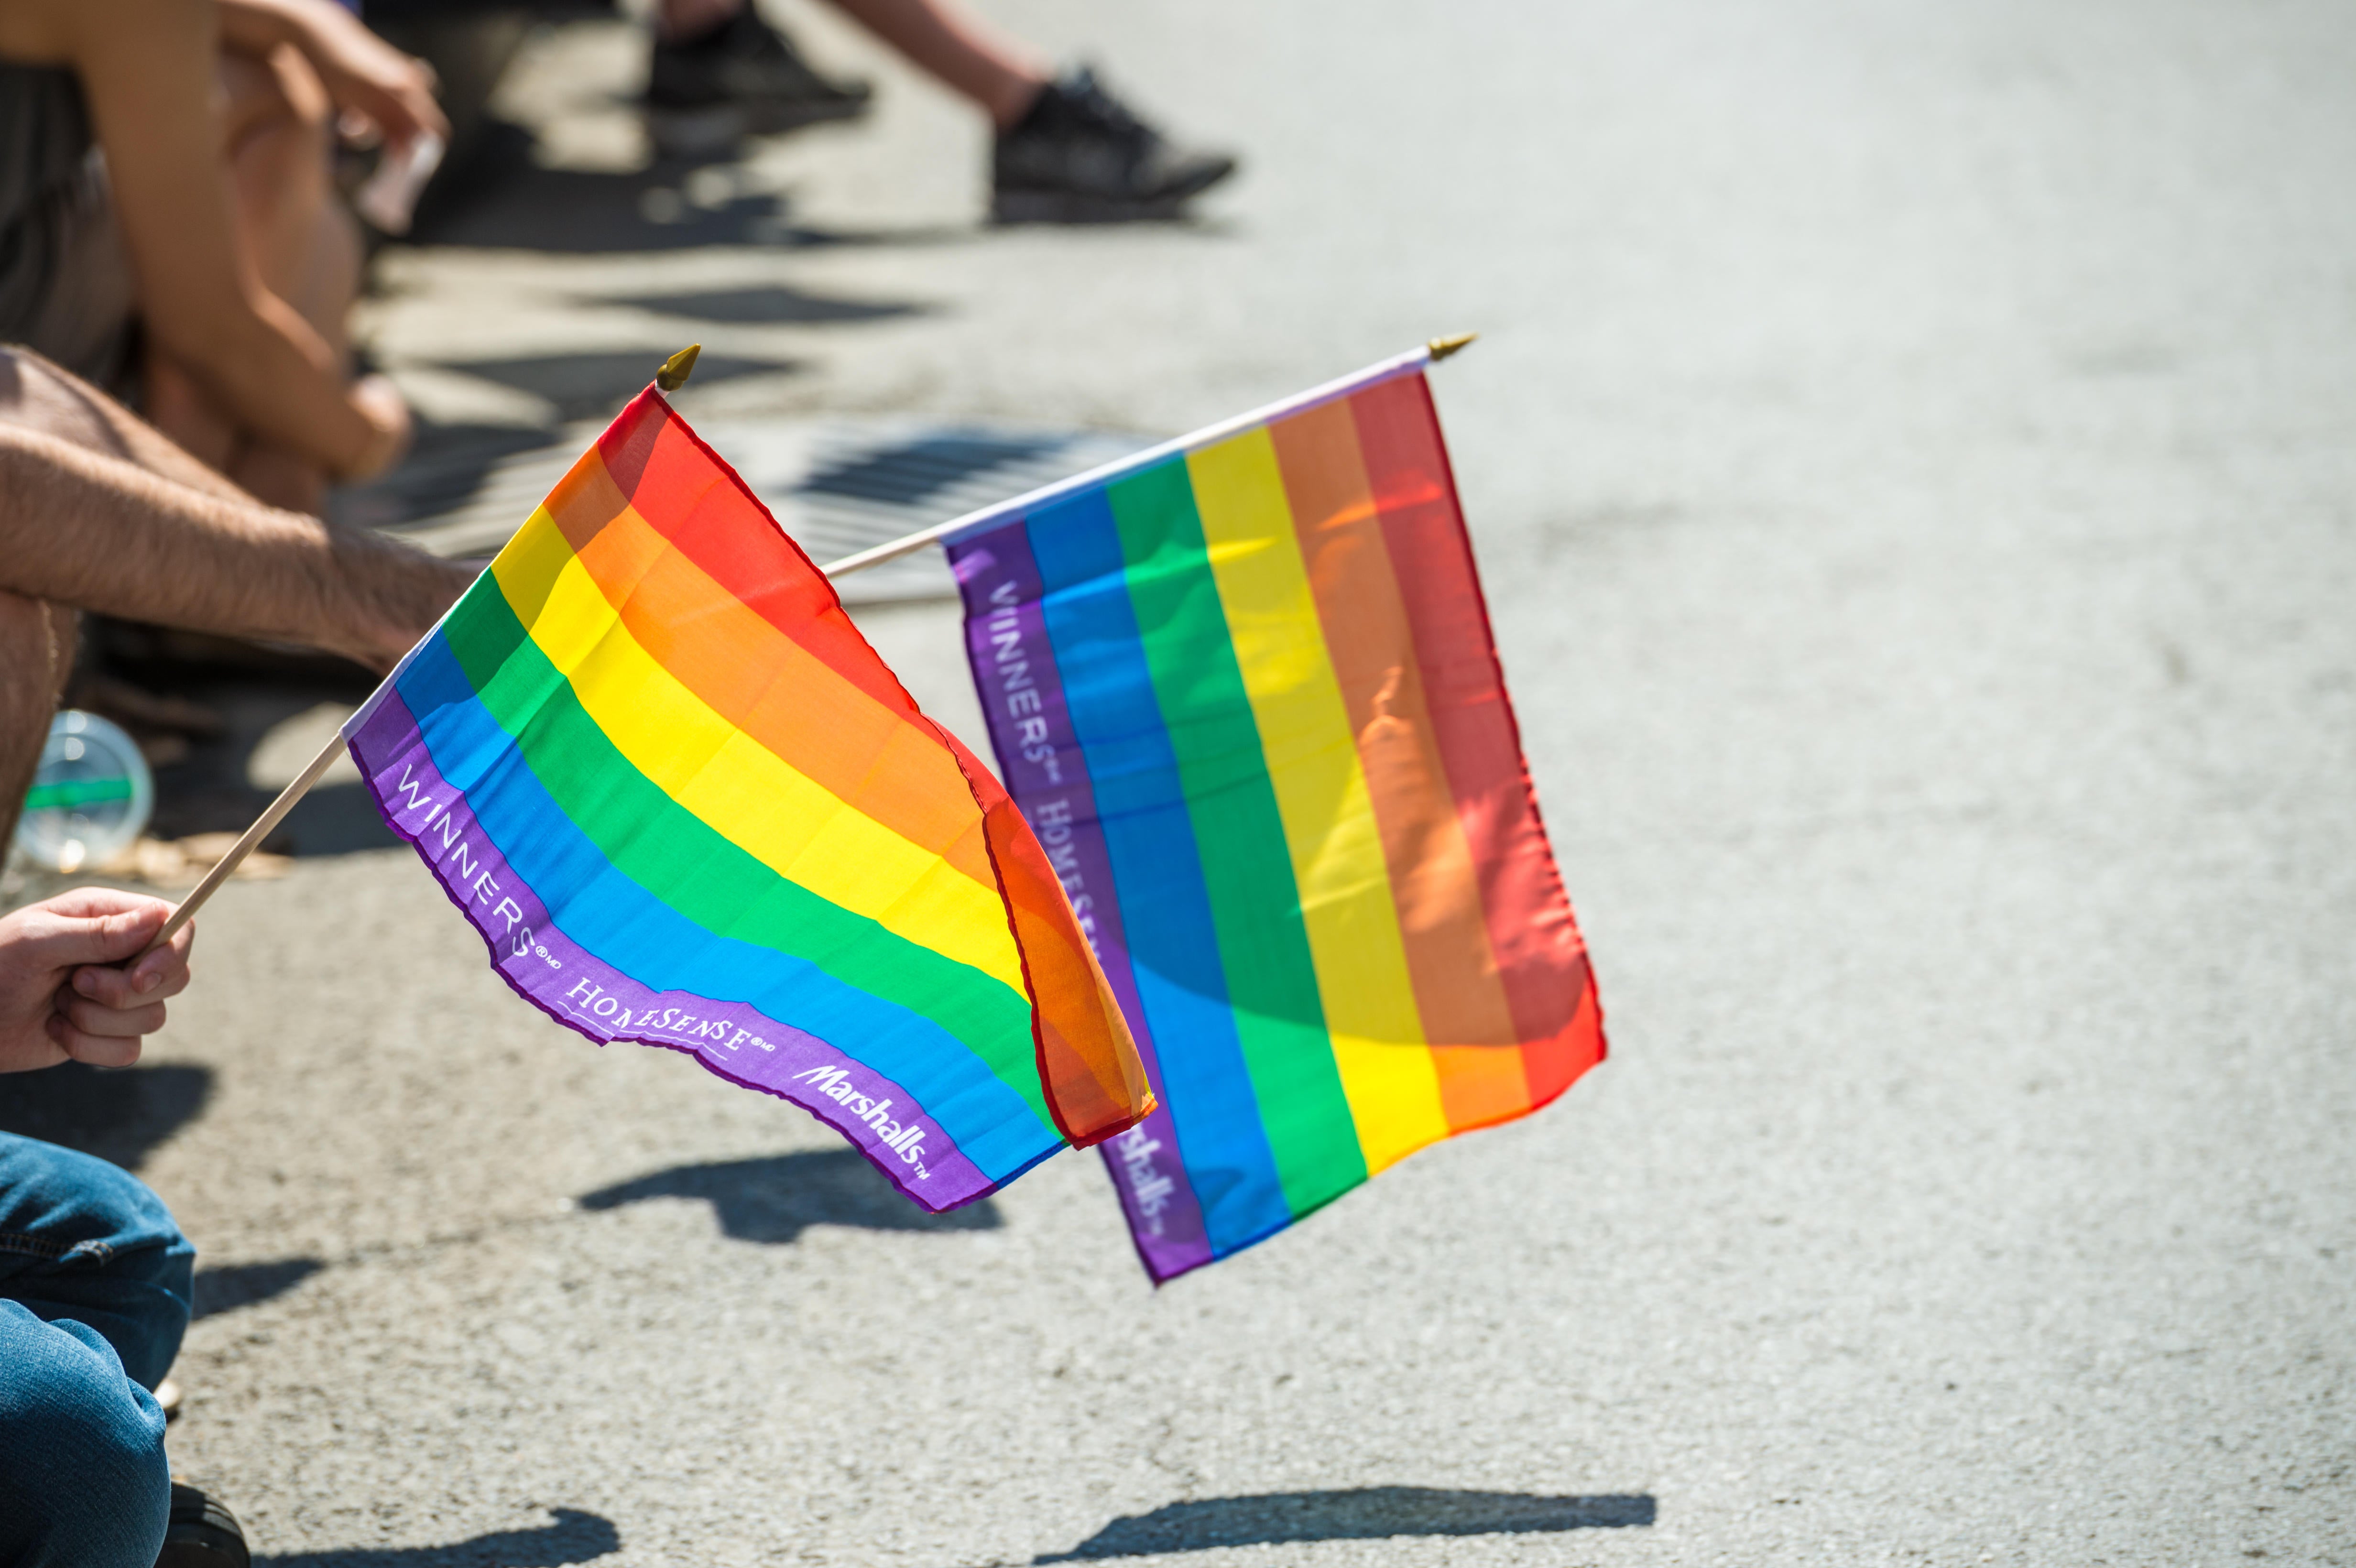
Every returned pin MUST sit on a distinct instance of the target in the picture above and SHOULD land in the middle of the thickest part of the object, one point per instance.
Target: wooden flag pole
(671, 378)
(250, 841)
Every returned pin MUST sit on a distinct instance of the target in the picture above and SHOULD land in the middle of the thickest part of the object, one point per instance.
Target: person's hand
(370, 80)
(395, 593)
(67, 992)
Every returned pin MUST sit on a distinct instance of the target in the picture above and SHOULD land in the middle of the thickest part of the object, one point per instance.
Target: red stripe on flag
(1540, 956)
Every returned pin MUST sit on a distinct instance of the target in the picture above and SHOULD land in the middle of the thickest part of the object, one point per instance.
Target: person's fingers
(96, 1049)
(112, 1023)
(63, 940)
(80, 902)
(395, 116)
(108, 984)
(396, 97)
(423, 112)
(165, 972)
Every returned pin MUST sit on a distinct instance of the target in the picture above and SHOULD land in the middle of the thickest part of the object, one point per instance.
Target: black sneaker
(202, 1533)
(1079, 155)
(743, 78)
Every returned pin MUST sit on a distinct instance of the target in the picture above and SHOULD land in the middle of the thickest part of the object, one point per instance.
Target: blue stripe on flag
(1164, 904)
(622, 924)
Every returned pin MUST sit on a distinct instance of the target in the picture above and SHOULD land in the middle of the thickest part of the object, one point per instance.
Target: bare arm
(96, 532)
(363, 74)
(41, 395)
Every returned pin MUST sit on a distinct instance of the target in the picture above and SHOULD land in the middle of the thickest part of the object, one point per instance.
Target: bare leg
(304, 248)
(39, 396)
(959, 50)
(953, 47)
(281, 138)
(37, 649)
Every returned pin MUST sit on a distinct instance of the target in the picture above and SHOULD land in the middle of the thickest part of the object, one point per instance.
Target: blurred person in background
(1065, 150)
(169, 230)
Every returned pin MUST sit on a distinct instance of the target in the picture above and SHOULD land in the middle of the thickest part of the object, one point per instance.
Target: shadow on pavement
(117, 1116)
(232, 1285)
(209, 790)
(770, 302)
(578, 1536)
(158, 682)
(1360, 1513)
(512, 203)
(773, 1201)
(595, 385)
(446, 464)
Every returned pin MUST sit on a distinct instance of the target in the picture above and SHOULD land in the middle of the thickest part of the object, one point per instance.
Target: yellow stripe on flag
(1321, 793)
(738, 787)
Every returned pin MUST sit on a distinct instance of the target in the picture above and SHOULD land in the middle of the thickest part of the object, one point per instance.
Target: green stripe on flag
(1239, 836)
(680, 859)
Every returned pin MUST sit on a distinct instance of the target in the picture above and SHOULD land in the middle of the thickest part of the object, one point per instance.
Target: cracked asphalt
(1912, 456)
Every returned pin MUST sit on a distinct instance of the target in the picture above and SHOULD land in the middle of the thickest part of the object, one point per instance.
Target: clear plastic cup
(92, 798)
(388, 198)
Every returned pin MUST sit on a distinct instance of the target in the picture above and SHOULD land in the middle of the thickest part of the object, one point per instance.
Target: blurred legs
(959, 50)
(303, 246)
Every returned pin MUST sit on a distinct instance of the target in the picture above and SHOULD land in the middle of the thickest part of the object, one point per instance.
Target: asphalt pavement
(1912, 453)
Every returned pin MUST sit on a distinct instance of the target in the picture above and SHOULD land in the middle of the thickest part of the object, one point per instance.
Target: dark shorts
(66, 286)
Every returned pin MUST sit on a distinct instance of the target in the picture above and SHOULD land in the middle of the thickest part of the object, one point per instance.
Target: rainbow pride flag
(1245, 689)
(686, 805)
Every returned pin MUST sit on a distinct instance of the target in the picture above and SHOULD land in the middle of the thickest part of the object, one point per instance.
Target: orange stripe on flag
(675, 481)
(876, 761)
(1368, 637)
(1095, 1083)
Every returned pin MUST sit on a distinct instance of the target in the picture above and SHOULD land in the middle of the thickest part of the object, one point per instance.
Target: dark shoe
(1079, 155)
(743, 78)
(202, 1533)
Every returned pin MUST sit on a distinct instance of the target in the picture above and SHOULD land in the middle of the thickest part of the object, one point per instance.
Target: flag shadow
(774, 1200)
(1357, 1513)
(576, 1536)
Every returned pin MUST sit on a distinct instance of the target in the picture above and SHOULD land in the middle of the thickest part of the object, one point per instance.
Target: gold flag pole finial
(1441, 348)
(678, 368)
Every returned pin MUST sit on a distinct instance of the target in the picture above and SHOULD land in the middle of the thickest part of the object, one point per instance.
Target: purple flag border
(732, 1039)
(1030, 729)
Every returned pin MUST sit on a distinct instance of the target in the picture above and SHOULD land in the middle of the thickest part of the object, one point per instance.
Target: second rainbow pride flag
(685, 804)
(1245, 692)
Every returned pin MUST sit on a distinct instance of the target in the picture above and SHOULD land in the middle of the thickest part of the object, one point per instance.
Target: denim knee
(82, 1475)
(84, 1240)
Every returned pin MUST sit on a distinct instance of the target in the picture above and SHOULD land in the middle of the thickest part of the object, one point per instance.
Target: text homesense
(468, 871)
(1031, 737)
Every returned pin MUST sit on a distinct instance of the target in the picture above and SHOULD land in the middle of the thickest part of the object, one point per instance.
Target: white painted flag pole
(674, 375)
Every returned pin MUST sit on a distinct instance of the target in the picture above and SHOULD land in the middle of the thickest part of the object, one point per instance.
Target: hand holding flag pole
(673, 375)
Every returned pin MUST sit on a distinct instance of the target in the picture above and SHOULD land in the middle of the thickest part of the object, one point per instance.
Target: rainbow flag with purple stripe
(685, 804)
(1245, 689)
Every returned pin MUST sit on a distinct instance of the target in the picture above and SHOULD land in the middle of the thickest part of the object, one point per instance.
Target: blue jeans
(95, 1292)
